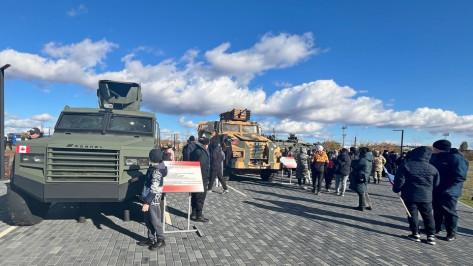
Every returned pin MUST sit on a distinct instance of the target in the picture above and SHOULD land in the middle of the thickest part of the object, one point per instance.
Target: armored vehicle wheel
(268, 175)
(23, 209)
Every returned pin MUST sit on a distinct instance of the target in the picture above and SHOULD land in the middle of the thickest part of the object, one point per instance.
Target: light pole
(446, 135)
(2, 118)
(402, 137)
(343, 136)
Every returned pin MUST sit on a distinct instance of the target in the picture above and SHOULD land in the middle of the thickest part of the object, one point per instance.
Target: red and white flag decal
(23, 149)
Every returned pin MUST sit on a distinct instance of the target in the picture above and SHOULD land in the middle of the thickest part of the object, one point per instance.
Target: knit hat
(443, 145)
(204, 141)
(191, 138)
(34, 130)
(319, 148)
(156, 155)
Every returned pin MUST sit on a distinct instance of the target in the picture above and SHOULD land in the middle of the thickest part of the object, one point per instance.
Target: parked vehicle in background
(246, 149)
(294, 142)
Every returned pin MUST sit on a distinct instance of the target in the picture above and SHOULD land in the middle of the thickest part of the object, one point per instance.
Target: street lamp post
(402, 137)
(2, 118)
(343, 136)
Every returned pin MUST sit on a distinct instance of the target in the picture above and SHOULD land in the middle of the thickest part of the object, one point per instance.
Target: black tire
(268, 175)
(23, 209)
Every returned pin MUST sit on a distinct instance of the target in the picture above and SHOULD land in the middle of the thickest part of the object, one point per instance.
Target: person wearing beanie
(319, 162)
(151, 197)
(201, 154)
(168, 152)
(442, 145)
(188, 148)
(453, 169)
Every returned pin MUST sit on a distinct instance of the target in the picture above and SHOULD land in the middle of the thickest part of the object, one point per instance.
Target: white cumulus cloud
(218, 81)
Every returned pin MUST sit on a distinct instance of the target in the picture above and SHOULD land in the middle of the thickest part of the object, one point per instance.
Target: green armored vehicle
(295, 143)
(91, 156)
(246, 149)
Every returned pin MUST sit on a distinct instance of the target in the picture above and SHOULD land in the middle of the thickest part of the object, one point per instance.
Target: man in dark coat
(201, 154)
(416, 179)
(342, 168)
(453, 168)
(359, 175)
(188, 148)
(216, 170)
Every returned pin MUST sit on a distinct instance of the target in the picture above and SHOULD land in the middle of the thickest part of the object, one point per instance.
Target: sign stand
(182, 177)
(288, 163)
(188, 220)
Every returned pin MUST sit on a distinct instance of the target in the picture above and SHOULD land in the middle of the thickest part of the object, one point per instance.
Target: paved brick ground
(265, 224)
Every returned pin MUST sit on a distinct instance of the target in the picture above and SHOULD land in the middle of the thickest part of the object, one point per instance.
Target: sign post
(288, 163)
(182, 177)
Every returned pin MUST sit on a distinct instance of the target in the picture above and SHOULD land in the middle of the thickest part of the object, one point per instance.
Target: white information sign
(288, 162)
(183, 177)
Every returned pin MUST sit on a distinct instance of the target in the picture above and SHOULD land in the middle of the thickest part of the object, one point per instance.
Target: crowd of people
(428, 180)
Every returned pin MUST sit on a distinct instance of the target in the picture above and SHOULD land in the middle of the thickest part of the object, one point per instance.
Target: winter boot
(157, 245)
(193, 214)
(200, 217)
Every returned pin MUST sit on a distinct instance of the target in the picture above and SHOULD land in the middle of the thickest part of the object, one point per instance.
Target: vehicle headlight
(131, 161)
(136, 161)
(32, 158)
(143, 161)
(237, 154)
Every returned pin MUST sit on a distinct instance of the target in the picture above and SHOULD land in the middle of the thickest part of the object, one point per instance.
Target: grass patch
(467, 195)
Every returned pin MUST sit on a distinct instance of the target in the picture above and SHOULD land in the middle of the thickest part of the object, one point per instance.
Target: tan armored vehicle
(246, 149)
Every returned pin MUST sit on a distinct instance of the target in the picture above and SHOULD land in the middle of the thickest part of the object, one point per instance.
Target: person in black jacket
(453, 169)
(216, 171)
(201, 154)
(416, 179)
(188, 148)
(361, 170)
(342, 168)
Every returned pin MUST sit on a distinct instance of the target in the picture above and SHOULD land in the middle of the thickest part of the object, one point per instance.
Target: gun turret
(236, 115)
(119, 95)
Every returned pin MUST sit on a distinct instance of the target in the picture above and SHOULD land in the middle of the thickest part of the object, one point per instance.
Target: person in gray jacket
(302, 170)
(416, 180)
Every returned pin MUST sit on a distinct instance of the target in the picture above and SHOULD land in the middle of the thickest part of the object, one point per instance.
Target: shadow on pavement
(4, 215)
(320, 215)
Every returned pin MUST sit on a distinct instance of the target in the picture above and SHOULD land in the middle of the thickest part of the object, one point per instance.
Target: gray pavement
(257, 223)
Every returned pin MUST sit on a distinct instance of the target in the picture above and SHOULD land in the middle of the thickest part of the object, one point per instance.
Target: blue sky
(303, 67)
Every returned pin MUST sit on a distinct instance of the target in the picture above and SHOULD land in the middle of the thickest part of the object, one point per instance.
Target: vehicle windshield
(250, 129)
(94, 122)
(131, 124)
(230, 127)
(207, 127)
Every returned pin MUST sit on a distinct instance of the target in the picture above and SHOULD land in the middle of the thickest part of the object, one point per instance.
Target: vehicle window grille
(257, 152)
